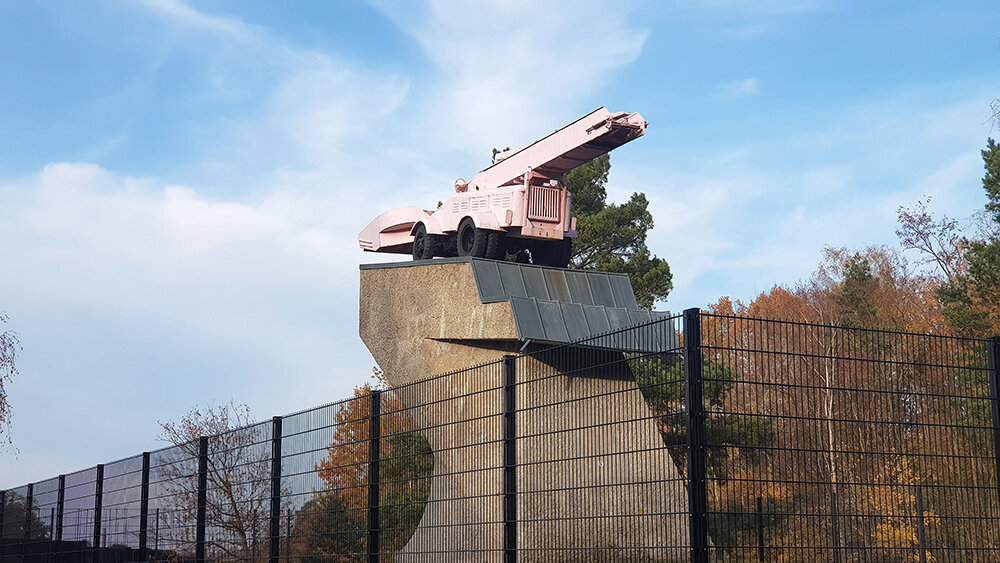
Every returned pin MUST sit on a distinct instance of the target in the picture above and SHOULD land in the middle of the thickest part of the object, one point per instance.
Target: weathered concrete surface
(427, 319)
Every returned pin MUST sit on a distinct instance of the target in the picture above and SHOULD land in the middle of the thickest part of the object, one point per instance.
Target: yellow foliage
(745, 489)
(893, 505)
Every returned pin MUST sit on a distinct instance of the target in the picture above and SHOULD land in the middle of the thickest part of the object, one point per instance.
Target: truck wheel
(565, 253)
(495, 248)
(556, 253)
(423, 244)
(471, 241)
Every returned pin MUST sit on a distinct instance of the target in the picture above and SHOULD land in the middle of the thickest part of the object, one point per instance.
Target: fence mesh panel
(811, 443)
(834, 444)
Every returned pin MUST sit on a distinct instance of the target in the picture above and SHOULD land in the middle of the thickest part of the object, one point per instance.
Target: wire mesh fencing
(835, 444)
(692, 438)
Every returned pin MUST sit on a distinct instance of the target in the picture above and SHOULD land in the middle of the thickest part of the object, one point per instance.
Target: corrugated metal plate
(534, 283)
(510, 276)
(488, 282)
(527, 319)
(638, 316)
(562, 306)
(576, 321)
(552, 321)
(555, 284)
(498, 281)
(622, 290)
(618, 317)
(600, 287)
(557, 322)
(597, 319)
(579, 287)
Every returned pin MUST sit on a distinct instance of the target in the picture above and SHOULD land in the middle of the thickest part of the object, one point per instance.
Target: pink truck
(520, 203)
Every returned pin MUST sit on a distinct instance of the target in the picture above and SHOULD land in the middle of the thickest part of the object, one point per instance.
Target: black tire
(555, 253)
(423, 244)
(495, 248)
(470, 240)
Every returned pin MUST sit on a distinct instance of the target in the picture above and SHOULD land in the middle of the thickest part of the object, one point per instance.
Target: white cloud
(325, 105)
(738, 89)
(509, 70)
(252, 295)
(751, 7)
(302, 105)
(183, 15)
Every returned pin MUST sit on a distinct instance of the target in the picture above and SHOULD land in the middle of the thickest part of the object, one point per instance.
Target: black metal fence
(701, 437)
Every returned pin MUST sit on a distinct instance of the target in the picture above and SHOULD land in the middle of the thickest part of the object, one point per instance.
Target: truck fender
(431, 224)
(486, 221)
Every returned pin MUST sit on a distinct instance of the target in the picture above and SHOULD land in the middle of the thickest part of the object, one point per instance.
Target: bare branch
(938, 241)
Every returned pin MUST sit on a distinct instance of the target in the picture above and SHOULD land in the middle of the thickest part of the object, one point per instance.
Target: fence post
(993, 359)
(275, 547)
(374, 457)
(697, 478)
(144, 509)
(199, 549)
(60, 507)
(509, 410)
(98, 501)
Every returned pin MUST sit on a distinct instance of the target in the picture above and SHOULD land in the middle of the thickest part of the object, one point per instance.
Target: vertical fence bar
(144, 509)
(199, 549)
(760, 529)
(921, 532)
(28, 512)
(98, 501)
(52, 533)
(509, 410)
(697, 478)
(3, 512)
(60, 507)
(275, 547)
(994, 367)
(374, 458)
(835, 530)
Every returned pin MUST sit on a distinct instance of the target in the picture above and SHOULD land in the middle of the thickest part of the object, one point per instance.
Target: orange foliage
(344, 470)
(901, 300)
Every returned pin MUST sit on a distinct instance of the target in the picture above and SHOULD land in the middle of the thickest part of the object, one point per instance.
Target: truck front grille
(543, 203)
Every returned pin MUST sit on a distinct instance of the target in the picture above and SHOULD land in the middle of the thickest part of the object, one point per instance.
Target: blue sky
(182, 184)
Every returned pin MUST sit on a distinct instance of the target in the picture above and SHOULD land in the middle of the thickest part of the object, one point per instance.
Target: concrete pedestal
(577, 489)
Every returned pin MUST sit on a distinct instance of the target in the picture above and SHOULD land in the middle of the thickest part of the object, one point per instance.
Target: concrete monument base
(592, 471)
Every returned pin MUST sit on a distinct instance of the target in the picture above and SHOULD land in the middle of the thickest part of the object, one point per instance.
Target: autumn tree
(328, 529)
(15, 510)
(738, 441)
(971, 298)
(838, 391)
(9, 348)
(238, 477)
(330, 523)
(937, 240)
